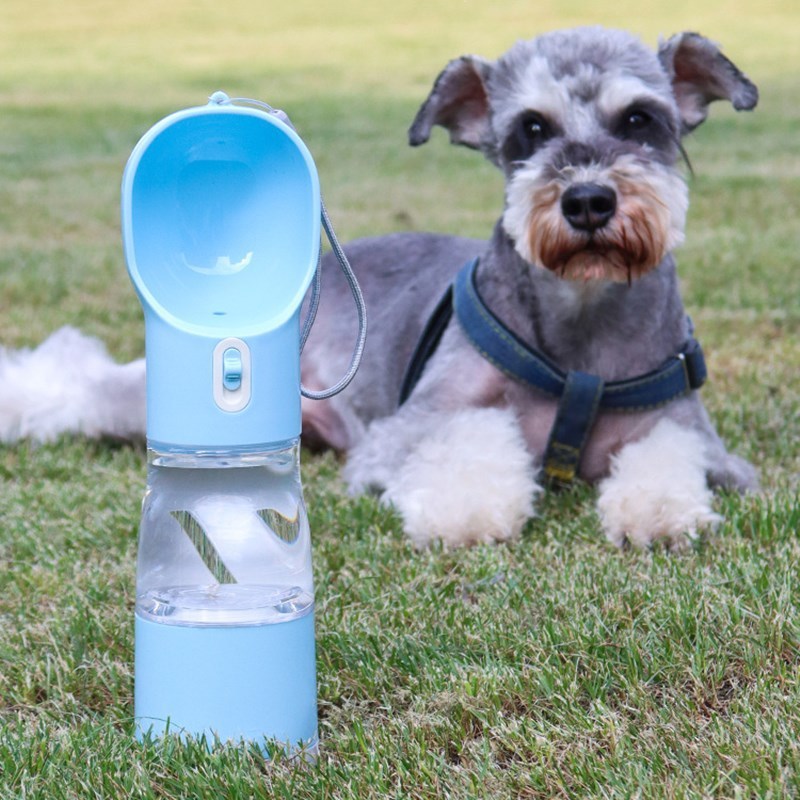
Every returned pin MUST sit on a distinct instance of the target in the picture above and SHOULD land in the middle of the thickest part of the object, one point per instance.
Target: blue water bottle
(221, 232)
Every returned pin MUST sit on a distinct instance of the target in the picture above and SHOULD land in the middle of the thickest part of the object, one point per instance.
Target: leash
(580, 395)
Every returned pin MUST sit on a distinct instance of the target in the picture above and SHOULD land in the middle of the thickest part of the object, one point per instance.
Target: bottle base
(250, 683)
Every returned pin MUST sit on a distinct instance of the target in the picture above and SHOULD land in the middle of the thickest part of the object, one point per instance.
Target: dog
(559, 349)
(577, 282)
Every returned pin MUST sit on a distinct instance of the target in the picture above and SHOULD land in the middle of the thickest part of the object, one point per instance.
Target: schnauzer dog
(562, 348)
(559, 348)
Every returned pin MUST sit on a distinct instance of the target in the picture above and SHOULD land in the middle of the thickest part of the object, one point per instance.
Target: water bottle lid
(221, 230)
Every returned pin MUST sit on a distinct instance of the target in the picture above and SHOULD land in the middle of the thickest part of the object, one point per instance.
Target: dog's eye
(637, 120)
(647, 125)
(529, 133)
(640, 124)
(534, 128)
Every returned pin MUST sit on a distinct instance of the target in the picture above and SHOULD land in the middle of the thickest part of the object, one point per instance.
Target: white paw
(471, 479)
(657, 490)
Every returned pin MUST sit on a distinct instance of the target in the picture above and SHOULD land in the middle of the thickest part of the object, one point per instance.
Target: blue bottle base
(252, 683)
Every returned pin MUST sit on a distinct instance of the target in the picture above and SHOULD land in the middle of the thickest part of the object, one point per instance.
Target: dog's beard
(648, 223)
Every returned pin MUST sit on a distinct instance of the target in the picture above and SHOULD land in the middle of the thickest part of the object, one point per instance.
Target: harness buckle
(694, 364)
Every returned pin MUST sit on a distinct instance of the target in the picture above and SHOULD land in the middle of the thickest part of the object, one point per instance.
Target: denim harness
(580, 395)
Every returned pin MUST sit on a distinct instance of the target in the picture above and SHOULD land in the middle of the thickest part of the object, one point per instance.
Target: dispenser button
(232, 369)
(231, 375)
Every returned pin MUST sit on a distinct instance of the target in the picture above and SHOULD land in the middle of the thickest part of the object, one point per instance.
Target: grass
(552, 667)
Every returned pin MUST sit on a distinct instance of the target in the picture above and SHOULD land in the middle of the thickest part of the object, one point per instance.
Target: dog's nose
(588, 206)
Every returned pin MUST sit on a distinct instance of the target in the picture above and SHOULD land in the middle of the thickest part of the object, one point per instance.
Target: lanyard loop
(361, 310)
(347, 270)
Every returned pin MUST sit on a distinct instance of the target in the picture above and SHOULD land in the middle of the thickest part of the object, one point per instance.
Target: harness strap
(496, 343)
(427, 343)
(676, 376)
(579, 394)
(575, 416)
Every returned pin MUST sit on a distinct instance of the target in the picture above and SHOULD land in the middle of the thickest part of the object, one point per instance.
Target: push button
(232, 369)
(231, 379)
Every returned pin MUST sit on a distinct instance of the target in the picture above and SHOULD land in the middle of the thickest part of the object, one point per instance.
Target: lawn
(552, 667)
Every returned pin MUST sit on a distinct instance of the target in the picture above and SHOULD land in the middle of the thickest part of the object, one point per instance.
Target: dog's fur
(586, 107)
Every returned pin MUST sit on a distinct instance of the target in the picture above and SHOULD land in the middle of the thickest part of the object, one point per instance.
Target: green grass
(552, 667)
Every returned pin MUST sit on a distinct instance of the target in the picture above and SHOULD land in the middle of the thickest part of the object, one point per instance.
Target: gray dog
(558, 349)
(563, 347)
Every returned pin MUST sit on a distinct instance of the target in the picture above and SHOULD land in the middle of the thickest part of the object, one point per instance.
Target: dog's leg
(379, 454)
(733, 473)
(725, 470)
(466, 477)
(327, 423)
(657, 489)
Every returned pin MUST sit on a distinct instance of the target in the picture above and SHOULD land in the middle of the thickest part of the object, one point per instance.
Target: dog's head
(586, 124)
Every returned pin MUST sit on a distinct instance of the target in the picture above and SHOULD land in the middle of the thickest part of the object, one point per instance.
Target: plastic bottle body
(225, 599)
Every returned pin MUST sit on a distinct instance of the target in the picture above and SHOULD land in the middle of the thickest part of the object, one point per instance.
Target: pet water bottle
(221, 231)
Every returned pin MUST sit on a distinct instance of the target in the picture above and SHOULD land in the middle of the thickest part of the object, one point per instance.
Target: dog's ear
(459, 102)
(701, 74)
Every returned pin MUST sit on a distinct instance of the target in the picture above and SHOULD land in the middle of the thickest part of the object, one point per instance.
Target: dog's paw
(657, 490)
(470, 480)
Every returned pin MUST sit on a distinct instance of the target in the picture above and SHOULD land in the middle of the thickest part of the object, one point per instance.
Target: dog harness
(580, 395)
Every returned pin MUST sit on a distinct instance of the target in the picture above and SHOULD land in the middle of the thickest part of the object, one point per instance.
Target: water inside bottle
(224, 540)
